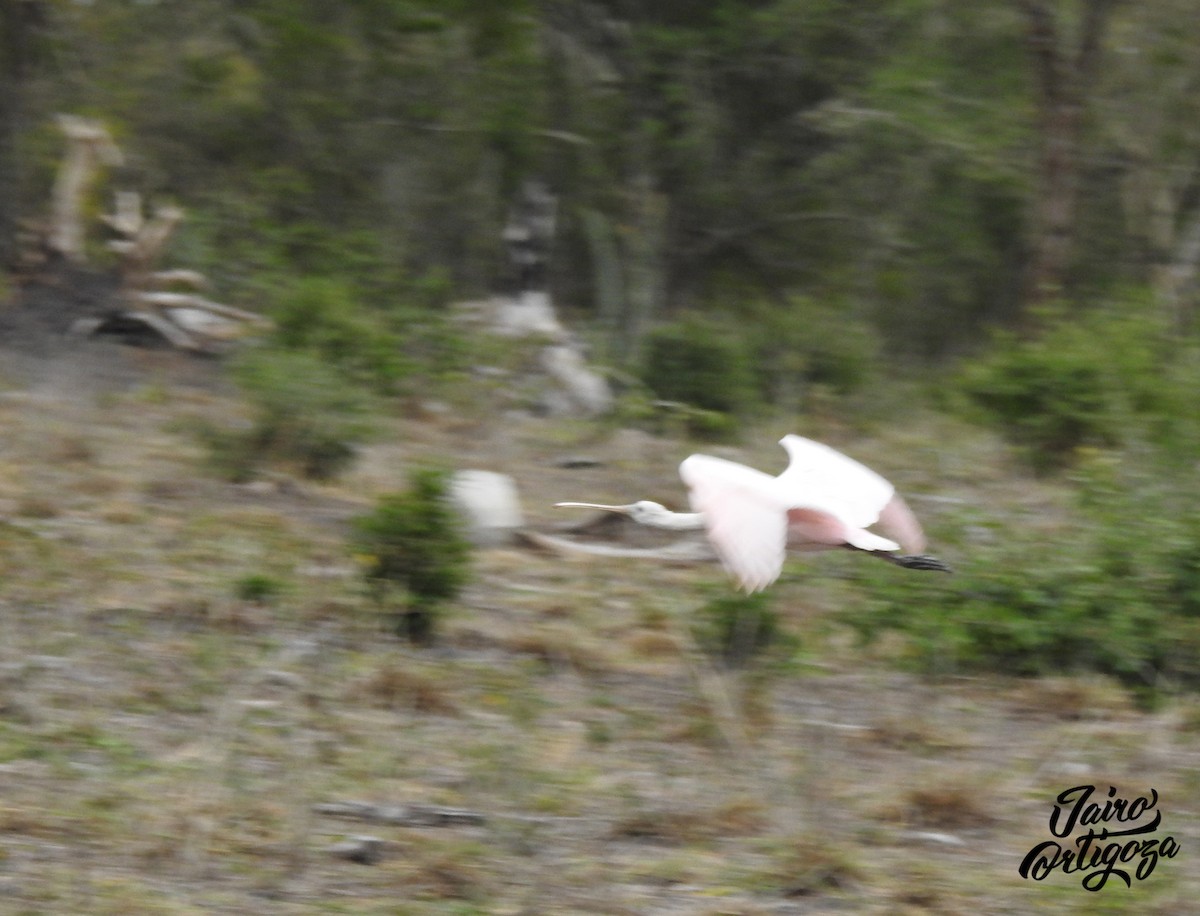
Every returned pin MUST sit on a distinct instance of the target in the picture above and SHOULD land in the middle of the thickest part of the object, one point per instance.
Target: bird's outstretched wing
(744, 518)
(897, 522)
(824, 479)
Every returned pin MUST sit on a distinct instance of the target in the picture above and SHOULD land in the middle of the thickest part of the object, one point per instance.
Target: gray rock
(587, 389)
(365, 850)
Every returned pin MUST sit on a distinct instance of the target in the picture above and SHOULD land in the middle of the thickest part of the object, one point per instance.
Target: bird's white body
(823, 500)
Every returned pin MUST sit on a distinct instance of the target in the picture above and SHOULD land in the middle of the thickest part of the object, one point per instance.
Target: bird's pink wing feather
(897, 522)
(744, 518)
(824, 479)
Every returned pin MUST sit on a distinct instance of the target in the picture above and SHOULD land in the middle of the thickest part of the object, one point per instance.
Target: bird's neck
(678, 521)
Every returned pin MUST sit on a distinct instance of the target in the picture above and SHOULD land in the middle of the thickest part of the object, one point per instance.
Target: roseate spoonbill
(822, 501)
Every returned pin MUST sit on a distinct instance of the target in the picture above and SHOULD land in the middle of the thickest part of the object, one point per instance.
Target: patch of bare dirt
(39, 352)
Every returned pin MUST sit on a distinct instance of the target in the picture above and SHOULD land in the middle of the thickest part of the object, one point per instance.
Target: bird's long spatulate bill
(622, 509)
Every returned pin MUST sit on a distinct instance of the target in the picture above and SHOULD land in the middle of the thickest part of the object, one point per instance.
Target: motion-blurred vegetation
(1115, 375)
(704, 364)
(960, 241)
(736, 628)
(889, 158)
(1112, 589)
(413, 542)
(390, 340)
(305, 415)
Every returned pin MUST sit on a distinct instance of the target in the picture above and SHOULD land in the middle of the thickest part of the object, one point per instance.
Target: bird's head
(646, 512)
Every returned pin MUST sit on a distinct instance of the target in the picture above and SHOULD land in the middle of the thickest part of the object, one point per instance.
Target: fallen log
(680, 553)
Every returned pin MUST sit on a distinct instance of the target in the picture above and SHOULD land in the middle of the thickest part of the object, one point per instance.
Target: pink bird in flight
(824, 500)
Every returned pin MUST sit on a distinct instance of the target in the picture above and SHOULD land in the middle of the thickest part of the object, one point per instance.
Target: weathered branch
(88, 146)
(185, 320)
(165, 300)
(145, 241)
(180, 276)
(126, 218)
(683, 552)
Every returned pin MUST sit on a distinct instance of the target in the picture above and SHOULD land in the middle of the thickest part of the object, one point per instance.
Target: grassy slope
(163, 743)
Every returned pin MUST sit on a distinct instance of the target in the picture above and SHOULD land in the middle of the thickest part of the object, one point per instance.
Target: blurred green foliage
(811, 342)
(1115, 374)
(259, 588)
(304, 411)
(882, 155)
(387, 337)
(1048, 395)
(304, 414)
(735, 628)
(1113, 589)
(705, 364)
(787, 356)
(322, 315)
(414, 541)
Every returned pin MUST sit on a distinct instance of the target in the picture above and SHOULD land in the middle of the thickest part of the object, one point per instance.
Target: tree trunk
(15, 22)
(1177, 281)
(1063, 77)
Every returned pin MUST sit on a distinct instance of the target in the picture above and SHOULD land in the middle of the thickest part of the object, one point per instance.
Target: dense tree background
(923, 169)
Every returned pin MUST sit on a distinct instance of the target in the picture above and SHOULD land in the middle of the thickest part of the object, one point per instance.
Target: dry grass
(735, 817)
(914, 734)
(1071, 699)
(37, 507)
(71, 449)
(559, 649)
(947, 805)
(393, 686)
(806, 866)
(163, 742)
(652, 644)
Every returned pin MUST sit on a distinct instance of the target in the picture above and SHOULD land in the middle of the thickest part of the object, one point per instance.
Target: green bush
(1118, 593)
(735, 628)
(701, 363)
(259, 588)
(304, 413)
(414, 541)
(1113, 375)
(391, 340)
(322, 315)
(1047, 397)
(811, 342)
(1012, 613)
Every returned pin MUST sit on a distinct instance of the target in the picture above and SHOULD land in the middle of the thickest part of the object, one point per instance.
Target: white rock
(527, 315)
(489, 504)
(199, 321)
(933, 836)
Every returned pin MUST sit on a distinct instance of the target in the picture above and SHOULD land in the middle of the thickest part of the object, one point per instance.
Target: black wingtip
(933, 564)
